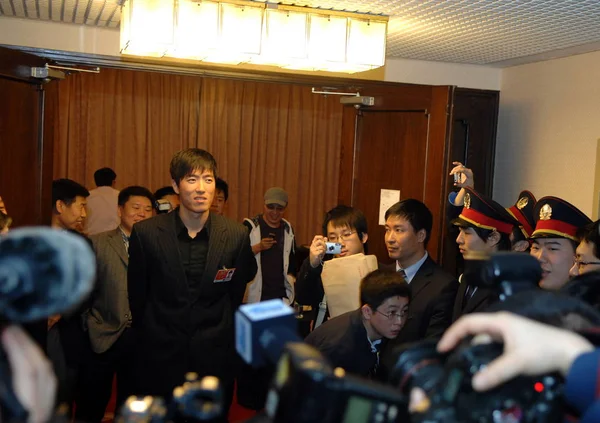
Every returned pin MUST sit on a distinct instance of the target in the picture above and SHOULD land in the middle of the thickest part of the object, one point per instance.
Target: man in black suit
(187, 275)
(407, 230)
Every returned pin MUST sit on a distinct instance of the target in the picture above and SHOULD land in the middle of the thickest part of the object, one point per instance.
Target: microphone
(43, 272)
(262, 330)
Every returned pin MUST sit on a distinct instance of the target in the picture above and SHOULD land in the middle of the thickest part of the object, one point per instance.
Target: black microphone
(43, 272)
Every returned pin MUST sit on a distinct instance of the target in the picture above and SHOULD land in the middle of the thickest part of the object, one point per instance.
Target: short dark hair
(346, 216)
(222, 186)
(416, 213)
(184, 162)
(104, 177)
(163, 192)
(135, 191)
(66, 190)
(591, 234)
(552, 308)
(381, 284)
(503, 244)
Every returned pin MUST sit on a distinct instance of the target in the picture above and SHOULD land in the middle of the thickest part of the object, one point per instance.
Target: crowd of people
(169, 280)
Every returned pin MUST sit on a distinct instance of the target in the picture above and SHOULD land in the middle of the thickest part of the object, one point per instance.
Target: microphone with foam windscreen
(262, 330)
(43, 272)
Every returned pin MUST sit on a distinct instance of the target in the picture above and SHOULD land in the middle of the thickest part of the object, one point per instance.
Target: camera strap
(321, 313)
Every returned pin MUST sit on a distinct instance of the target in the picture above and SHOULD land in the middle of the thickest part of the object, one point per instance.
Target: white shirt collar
(412, 270)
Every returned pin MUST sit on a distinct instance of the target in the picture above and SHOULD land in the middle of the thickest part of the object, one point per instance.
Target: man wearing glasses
(555, 239)
(586, 254)
(353, 340)
(344, 225)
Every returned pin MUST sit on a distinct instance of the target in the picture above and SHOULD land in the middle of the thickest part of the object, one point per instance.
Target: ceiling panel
(461, 31)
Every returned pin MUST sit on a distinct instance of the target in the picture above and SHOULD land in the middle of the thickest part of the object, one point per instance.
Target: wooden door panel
(391, 153)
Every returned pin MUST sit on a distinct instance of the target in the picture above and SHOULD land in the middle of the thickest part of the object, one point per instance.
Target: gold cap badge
(467, 201)
(545, 212)
(522, 203)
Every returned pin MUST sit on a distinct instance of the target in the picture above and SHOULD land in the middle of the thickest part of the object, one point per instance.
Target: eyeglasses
(275, 207)
(343, 237)
(581, 264)
(394, 315)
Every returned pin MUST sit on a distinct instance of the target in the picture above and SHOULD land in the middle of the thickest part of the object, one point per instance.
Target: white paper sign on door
(387, 199)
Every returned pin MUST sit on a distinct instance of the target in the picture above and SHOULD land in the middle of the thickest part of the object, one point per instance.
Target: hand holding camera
(267, 243)
(317, 250)
(463, 176)
(524, 341)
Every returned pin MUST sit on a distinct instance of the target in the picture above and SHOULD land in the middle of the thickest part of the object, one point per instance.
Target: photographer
(33, 379)
(344, 224)
(532, 348)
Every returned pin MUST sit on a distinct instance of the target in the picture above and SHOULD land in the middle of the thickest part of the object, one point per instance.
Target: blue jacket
(582, 389)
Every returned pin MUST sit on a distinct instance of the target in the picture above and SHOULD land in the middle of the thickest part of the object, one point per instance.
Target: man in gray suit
(187, 275)
(109, 317)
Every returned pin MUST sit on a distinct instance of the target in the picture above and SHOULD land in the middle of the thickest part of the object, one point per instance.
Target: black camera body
(447, 381)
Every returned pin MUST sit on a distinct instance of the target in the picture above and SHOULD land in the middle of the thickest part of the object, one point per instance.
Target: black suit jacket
(477, 302)
(177, 332)
(430, 310)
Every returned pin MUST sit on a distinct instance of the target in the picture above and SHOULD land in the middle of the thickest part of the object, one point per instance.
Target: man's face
(468, 242)
(585, 259)
(135, 209)
(273, 213)
(173, 199)
(196, 191)
(389, 317)
(351, 243)
(72, 216)
(556, 256)
(401, 239)
(218, 203)
(2, 206)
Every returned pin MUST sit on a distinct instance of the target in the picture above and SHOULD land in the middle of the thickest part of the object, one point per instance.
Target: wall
(439, 73)
(548, 130)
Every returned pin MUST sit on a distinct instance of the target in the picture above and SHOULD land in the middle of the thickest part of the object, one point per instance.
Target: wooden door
(25, 159)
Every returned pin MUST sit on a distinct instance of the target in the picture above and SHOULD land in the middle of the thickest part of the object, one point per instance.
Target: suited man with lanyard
(407, 230)
(484, 228)
(109, 318)
(187, 275)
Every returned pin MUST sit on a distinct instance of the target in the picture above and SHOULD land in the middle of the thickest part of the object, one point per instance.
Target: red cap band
(482, 221)
(556, 227)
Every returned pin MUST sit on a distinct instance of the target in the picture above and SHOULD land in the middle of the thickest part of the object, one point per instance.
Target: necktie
(403, 273)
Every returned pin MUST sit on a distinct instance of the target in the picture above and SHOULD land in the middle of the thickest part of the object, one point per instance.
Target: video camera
(195, 401)
(504, 274)
(305, 387)
(43, 272)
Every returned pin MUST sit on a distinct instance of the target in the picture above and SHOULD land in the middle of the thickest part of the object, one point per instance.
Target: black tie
(403, 273)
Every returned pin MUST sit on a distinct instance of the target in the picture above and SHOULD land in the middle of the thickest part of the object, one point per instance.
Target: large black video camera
(446, 379)
(197, 400)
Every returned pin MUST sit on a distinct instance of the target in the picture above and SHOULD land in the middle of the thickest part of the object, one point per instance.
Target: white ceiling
(484, 32)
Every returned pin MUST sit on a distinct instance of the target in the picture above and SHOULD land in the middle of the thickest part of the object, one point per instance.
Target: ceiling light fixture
(234, 32)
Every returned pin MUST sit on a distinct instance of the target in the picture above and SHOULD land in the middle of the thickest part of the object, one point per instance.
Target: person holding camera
(344, 225)
(273, 244)
(555, 239)
(522, 210)
(485, 227)
(531, 348)
(353, 340)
